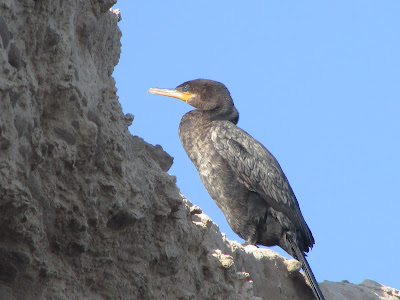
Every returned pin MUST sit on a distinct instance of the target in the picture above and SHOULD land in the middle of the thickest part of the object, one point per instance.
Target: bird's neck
(219, 114)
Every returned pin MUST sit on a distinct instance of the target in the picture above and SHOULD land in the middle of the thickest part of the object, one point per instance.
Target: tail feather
(307, 270)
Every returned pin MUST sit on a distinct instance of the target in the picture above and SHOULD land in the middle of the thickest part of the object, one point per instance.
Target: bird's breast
(217, 176)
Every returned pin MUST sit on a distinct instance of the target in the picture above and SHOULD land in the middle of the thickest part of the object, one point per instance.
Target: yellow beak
(171, 93)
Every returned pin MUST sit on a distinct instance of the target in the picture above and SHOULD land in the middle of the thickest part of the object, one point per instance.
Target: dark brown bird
(240, 174)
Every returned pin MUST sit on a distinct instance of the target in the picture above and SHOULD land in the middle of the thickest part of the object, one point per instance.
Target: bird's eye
(185, 88)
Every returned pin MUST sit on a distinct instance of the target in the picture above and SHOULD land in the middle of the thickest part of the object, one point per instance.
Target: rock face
(87, 211)
(366, 290)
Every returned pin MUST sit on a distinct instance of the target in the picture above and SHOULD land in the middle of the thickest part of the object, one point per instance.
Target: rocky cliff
(87, 211)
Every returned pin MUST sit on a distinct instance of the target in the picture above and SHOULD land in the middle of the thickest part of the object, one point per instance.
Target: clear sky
(317, 82)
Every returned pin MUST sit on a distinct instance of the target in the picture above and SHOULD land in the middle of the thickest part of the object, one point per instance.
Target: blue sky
(317, 83)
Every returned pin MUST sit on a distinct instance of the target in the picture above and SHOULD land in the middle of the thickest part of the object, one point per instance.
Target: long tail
(310, 275)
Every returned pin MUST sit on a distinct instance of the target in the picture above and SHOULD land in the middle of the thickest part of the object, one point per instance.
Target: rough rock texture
(367, 290)
(87, 211)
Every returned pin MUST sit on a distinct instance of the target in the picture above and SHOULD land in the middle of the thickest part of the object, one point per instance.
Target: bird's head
(202, 94)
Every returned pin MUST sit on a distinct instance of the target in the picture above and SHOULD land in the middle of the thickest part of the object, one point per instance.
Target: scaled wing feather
(258, 169)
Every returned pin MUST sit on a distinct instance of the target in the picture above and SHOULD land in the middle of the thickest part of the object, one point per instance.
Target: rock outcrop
(87, 211)
(366, 290)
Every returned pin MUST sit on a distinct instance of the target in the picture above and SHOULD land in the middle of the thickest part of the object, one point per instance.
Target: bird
(240, 174)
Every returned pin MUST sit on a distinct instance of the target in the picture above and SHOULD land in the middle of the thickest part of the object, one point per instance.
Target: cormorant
(240, 174)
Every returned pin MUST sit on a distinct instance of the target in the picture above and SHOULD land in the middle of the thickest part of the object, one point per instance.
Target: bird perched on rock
(240, 174)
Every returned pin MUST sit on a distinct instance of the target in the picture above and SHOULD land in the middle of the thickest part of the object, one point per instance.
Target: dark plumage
(240, 174)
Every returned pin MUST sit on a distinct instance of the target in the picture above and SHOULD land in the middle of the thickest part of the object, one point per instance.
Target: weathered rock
(366, 290)
(87, 211)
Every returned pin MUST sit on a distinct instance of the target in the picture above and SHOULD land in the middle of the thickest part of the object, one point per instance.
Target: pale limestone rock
(366, 290)
(292, 265)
